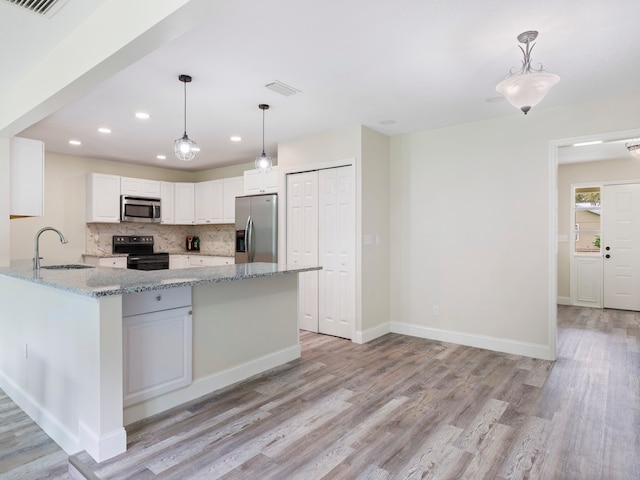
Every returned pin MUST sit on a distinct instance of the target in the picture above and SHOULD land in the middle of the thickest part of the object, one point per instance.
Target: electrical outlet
(436, 310)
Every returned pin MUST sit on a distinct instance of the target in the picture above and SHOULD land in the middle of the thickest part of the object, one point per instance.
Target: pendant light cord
(185, 108)
(263, 154)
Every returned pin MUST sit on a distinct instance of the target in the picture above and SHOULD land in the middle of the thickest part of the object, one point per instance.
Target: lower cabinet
(186, 261)
(157, 342)
(210, 261)
(114, 262)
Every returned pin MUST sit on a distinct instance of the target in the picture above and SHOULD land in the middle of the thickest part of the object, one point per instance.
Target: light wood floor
(403, 408)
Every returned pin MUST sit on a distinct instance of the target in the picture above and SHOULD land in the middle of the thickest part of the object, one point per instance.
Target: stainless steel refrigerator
(257, 228)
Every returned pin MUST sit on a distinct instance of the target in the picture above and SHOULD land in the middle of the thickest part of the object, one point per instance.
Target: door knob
(607, 256)
(607, 248)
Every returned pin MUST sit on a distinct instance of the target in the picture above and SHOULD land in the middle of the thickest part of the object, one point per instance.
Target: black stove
(140, 252)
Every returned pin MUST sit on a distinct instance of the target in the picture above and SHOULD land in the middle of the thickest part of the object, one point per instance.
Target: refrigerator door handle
(249, 240)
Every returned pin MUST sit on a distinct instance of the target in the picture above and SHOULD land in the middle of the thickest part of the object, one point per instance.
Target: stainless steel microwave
(139, 209)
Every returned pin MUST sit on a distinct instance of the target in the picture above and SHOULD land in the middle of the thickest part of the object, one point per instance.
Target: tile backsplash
(214, 239)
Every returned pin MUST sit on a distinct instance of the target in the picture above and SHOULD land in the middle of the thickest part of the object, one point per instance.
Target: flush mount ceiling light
(634, 147)
(185, 148)
(527, 87)
(263, 162)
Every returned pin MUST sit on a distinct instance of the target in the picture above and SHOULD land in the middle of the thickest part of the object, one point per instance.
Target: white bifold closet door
(336, 216)
(321, 231)
(302, 242)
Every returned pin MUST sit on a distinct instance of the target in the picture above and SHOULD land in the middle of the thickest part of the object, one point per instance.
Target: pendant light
(634, 147)
(185, 148)
(263, 162)
(527, 87)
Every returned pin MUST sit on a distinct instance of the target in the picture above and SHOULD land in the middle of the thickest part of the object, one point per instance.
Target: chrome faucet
(36, 258)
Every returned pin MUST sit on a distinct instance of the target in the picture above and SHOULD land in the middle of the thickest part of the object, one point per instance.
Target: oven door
(156, 261)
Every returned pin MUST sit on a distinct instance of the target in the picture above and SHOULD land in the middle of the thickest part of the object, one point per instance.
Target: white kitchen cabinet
(233, 187)
(114, 262)
(26, 178)
(102, 198)
(157, 342)
(256, 182)
(210, 261)
(179, 261)
(184, 203)
(139, 187)
(208, 202)
(167, 205)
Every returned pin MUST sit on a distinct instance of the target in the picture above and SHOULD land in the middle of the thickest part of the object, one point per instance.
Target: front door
(621, 246)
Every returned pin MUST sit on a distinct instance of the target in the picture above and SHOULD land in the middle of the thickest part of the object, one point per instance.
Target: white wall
(65, 204)
(471, 225)
(5, 149)
(374, 220)
(627, 168)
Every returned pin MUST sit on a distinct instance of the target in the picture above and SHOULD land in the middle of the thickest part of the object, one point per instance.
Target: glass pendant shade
(634, 148)
(184, 148)
(263, 162)
(527, 87)
(526, 90)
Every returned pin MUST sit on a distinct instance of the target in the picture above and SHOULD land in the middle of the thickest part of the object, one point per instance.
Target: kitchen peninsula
(61, 347)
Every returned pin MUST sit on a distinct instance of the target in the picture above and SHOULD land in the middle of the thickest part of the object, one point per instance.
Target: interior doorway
(580, 150)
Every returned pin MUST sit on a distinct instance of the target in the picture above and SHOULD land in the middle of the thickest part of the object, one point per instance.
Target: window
(586, 220)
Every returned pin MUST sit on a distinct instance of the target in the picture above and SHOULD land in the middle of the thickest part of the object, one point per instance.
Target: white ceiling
(420, 63)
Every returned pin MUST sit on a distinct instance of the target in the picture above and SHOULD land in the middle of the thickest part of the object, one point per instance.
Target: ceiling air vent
(42, 7)
(281, 88)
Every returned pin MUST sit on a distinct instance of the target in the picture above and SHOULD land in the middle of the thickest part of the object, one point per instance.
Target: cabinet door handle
(159, 297)
(190, 312)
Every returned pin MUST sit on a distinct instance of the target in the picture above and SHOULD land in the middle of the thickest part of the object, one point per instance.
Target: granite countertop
(105, 281)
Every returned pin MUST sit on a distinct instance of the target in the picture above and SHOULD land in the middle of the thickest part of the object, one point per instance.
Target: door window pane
(587, 220)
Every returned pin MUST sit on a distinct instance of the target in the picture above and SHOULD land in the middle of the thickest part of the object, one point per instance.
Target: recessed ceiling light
(104, 130)
(584, 144)
(161, 157)
(235, 138)
(142, 115)
(75, 142)
(388, 122)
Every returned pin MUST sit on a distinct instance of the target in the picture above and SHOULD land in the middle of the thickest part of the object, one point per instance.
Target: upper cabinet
(256, 182)
(167, 198)
(27, 178)
(208, 202)
(139, 187)
(184, 203)
(233, 187)
(103, 198)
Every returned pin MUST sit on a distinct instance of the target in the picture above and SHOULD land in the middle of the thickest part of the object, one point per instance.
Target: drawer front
(115, 262)
(155, 300)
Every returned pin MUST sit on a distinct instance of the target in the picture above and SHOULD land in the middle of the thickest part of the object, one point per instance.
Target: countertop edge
(215, 277)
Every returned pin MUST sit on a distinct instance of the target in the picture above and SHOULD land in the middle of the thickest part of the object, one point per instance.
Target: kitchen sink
(70, 266)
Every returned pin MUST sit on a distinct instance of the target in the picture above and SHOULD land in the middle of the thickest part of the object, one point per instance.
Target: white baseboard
(479, 341)
(105, 446)
(206, 385)
(364, 336)
(65, 438)
(564, 301)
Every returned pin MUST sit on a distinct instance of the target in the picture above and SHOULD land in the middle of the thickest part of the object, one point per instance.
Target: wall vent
(279, 87)
(46, 8)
